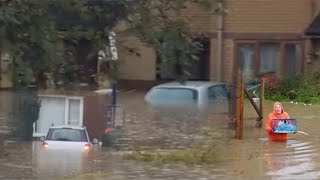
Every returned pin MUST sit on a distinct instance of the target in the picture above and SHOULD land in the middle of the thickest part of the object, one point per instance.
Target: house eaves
(313, 30)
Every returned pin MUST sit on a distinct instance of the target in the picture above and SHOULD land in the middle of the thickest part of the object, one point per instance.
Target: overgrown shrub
(296, 88)
(26, 109)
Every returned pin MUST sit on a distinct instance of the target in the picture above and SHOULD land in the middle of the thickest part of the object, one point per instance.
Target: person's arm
(268, 124)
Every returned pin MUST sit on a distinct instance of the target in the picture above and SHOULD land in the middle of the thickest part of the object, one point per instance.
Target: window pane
(292, 61)
(269, 58)
(217, 93)
(246, 61)
(74, 112)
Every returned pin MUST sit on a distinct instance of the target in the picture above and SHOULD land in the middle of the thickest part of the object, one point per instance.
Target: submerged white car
(68, 138)
(65, 149)
(200, 95)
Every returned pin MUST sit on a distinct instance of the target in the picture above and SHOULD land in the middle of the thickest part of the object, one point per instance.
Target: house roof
(314, 27)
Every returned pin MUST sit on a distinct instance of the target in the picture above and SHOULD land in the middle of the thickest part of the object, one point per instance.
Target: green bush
(298, 89)
(26, 108)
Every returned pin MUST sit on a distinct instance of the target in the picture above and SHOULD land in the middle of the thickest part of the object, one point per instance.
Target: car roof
(188, 84)
(68, 127)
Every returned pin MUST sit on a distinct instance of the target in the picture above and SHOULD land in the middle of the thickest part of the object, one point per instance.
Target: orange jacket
(273, 115)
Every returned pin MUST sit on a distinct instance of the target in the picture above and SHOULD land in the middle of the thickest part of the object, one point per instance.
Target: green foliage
(29, 36)
(187, 156)
(158, 23)
(174, 47)
(298, 89)
(26, 109)
(33, 31)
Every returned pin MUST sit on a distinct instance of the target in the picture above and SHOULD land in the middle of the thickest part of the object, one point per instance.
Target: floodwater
(254, 157)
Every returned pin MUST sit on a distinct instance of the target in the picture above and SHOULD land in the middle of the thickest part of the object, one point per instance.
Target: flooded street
(251, 158)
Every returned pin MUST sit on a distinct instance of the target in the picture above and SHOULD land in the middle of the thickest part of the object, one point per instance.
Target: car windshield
(78, 135)
(173, 94)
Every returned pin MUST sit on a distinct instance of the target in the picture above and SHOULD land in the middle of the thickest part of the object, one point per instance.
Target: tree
(158, 23)
(33, 30)
(30, 38)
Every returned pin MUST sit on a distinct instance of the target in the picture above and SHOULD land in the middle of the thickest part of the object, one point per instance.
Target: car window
(172, 94)
(218, 92)
(67, 135)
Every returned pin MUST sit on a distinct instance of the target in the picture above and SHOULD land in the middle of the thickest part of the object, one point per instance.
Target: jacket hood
(274, 107)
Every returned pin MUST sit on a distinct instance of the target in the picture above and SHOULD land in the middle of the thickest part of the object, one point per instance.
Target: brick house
(257, 36)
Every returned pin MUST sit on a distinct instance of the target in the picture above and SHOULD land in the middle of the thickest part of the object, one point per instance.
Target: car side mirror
(42, 138)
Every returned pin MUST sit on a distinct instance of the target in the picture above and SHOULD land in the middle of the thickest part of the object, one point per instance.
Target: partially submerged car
(199, 95)
(65, 149)
(67, 137)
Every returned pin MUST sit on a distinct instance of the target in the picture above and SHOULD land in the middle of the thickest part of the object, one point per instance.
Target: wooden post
(262, 86)
(252, 102)
(242, 108)
(262, 96)
(239, 106)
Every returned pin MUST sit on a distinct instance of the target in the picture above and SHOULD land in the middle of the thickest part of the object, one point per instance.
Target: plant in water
(202, 153)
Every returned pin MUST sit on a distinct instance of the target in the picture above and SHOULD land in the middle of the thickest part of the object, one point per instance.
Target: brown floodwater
(254, 157)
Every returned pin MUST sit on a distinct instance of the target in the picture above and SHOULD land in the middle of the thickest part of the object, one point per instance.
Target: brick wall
(142, 67)
(198, 19)
(95, 115)
(228, 62)
(140, 63)
(213, 59)
(257, 17)
(283, 16)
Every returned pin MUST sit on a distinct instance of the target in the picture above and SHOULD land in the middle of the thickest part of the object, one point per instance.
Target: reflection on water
(57, 162)
(252, 158)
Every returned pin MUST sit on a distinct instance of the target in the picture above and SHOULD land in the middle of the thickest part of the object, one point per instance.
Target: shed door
(52, 112)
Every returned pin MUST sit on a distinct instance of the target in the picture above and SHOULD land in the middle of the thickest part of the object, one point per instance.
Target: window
(246, 60)
(269, 58)
(217, 93)
(292, 59)
(74, 112)
(259, 58)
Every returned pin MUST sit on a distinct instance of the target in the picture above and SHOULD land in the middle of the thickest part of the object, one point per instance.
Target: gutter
(220, 40)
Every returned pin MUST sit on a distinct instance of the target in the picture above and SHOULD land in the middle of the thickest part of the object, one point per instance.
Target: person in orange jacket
(277, 113)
